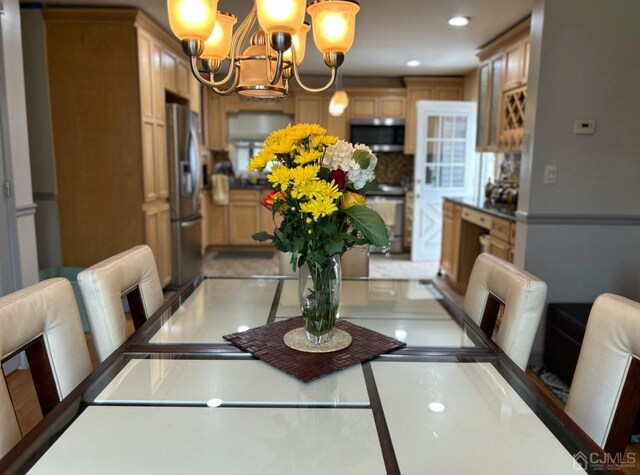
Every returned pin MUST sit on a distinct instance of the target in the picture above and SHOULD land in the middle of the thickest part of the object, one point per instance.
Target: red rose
(269, 198)
(339, 177)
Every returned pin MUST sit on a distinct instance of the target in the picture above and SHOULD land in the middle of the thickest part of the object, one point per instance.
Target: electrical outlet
(550, 174)
(584, 126)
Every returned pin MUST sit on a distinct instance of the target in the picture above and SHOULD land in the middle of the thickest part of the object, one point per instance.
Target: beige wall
(470, 92)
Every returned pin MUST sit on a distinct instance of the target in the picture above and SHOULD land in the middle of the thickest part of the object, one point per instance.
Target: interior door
(445, 165)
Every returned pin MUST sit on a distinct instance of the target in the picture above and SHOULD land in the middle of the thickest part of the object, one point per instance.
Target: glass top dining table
(178, 398)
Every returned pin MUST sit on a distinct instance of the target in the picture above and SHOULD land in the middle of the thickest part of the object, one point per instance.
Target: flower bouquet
(319, 185)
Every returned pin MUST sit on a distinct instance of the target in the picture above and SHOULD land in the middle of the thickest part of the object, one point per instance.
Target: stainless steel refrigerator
(183, 156)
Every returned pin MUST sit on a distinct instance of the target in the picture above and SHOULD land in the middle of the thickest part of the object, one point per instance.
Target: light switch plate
(550, 174)
(584, 126)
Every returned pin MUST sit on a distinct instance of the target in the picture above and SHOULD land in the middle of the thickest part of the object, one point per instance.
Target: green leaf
(262, 236)
(371, 186)
(324, 174)
(370, 224)
(334, 246)
(362, 158)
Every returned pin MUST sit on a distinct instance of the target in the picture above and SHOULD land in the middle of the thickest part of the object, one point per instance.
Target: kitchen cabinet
(218, 225)
(426, 89)
(309, 108)
(371, 103)
(462, 227)
(244, 216)
(451, 231)
(158, 237)
(217, 122)
(111, 157)
(502, 90)
(314, 108)
(408, 221)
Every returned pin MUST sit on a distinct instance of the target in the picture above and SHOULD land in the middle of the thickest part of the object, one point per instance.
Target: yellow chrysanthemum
(352, 199)
(301, 132)
(329, 190)
(310, 189)
(305, 157)
(323, 141)
(261, 160)
(319, 208)
(283, 145)
(300, 175)
(280, 177)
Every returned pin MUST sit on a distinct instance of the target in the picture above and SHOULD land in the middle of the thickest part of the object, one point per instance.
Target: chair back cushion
(102, 286)
(611, 341)
(48, 310)
(523, 296)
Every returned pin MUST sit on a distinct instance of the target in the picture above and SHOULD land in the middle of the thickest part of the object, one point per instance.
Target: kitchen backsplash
(392, 167)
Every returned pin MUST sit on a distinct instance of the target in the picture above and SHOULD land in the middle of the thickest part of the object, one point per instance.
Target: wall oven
(381, 135)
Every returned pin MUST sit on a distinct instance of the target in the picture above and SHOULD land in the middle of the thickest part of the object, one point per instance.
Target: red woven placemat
(266, 343)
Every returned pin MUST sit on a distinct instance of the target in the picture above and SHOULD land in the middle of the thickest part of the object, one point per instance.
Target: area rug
(244, 255)
(553, 382)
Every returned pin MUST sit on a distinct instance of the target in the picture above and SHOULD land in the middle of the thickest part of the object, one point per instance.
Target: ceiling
(390, 33)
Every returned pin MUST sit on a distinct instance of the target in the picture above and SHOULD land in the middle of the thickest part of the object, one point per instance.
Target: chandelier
(275, 50)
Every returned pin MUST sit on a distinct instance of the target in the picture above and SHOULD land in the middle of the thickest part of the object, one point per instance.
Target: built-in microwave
(381, 135)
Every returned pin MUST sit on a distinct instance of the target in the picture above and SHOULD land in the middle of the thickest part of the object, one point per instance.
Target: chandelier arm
(279, 63)
(232, 87)
(208, 83)
(242, 33)
(294, 66)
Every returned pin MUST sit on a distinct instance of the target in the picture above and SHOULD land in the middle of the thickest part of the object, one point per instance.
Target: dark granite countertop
(501, 210)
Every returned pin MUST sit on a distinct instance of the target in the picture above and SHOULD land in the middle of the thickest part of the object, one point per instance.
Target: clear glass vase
(319, 294)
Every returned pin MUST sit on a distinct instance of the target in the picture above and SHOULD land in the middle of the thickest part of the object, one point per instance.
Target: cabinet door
(483, 105)
(218, 222)
(164, 244)
(157, 81)
(337, 126)
(392, 107)
(495, 101)
(148, 166)
(513, 66)
(308, 109)
(158, 237)
(451, 234)
(218, 138)
(415, 95)
(363, 107)
(182, 79)
(145, 71)
(243, 223)
(169, 71)
(498, 248)
(161, 171)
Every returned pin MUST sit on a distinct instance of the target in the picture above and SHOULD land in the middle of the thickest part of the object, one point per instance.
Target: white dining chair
(132, 273)
(498, 287)
(43, 320)
(605, 392)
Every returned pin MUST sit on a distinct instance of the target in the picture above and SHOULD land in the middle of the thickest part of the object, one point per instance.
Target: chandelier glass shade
(262, 60)
(338, 103)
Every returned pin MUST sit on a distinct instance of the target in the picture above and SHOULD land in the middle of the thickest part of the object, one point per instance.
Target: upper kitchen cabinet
(108, 73)
(314, 108)
(371, 103)
(426, 89)
(503, 90)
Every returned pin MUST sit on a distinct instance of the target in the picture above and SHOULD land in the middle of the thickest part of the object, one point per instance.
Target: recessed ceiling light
(436, 407)
(459, 21)
(413, 63)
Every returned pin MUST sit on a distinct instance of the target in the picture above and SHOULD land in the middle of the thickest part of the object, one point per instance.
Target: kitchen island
(465, 223)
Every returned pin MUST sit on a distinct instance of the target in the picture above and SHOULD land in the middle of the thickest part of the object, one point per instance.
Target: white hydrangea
(340, 156)
(359, 178)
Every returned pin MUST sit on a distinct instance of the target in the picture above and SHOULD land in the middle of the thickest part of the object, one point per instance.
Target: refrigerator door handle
(191, 222)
